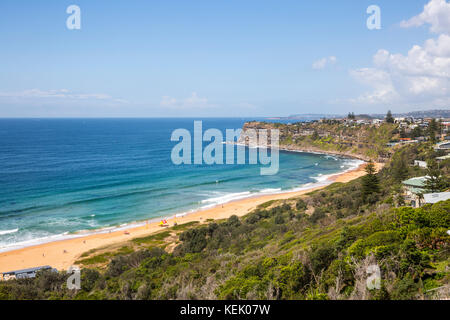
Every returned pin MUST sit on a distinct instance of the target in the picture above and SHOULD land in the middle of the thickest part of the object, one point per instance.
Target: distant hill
(426, 114)
(364, 142)
(414, 114)
(309, 116)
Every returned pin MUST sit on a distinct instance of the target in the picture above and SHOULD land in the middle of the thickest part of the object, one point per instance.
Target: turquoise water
(62, 176)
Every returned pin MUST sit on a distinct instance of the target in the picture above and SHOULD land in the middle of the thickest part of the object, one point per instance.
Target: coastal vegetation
(318, 246)
(357, 140)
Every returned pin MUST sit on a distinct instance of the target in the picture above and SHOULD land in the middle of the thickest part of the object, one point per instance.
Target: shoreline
(169, 215)
(295, 148)
(61, 254)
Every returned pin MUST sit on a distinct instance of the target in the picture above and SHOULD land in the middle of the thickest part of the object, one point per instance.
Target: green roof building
(415, 187)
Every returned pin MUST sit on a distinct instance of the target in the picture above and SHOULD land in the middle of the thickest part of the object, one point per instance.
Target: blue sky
(218, 58)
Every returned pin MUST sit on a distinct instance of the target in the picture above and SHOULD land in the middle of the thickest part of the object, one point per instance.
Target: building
(421, 164)
(414, 190)
(443, 158)
(436, 197)
(446, 127)
(23, 274)
(377, 121)
(442, 146)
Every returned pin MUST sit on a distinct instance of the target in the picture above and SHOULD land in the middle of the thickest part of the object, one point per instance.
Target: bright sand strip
(62, 254)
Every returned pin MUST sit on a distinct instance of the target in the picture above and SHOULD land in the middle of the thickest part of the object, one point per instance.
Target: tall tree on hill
(433, 129)
(399, 167)
(416, 132)
(436, 182)
(370, 182)
(389, 117)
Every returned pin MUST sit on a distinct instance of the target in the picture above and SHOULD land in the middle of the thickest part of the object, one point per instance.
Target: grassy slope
(367, 141)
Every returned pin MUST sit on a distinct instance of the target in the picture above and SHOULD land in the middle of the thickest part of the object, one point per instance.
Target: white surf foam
(2, 232)
(226, 198)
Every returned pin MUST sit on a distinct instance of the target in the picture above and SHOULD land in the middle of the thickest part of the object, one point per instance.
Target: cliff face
(366, 142)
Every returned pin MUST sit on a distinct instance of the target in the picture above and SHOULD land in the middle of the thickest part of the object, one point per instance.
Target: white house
(436, 197)
(421, 164)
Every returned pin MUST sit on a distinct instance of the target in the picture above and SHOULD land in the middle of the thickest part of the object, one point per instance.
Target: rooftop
(442, 146)
(443, 157)
(436, 197)
(29, 270)
(416, 182)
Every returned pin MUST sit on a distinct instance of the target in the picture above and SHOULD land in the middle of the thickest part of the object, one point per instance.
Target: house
(443, 158)
(421, 164)
(436, 197)
(307, 133)
(446, 127)
(392, 144)
(442, 146)
(408, 141)
(414, 189)
(377, 121)
(23, 274)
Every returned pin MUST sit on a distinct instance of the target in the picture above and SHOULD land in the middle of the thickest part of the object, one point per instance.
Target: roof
(29, 270)
(416, 191)
(436, 197)
(416, 182)
(443, 145)
(443, 157)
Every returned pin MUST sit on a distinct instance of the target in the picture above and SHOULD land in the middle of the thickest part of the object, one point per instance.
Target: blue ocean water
(61, 176)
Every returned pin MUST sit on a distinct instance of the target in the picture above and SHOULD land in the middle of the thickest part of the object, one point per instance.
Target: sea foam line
(2, 232)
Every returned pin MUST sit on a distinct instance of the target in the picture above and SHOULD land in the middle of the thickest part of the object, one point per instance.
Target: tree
(433, 129)
(301, 205)
(399, 168)
(370, 183)
(389, 118)
(436, 182)
(417, 132)
(351, 116)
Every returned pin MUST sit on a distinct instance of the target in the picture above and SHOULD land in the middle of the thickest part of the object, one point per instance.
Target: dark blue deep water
(60, 176)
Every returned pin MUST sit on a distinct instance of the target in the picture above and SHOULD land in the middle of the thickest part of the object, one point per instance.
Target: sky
(222, 58)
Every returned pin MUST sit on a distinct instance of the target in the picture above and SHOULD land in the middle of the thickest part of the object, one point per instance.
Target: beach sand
(62, 254)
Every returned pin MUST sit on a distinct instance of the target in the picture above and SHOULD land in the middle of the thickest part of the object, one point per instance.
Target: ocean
(60, 178)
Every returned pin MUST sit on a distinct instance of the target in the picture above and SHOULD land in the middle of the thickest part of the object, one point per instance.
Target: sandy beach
(62, 254)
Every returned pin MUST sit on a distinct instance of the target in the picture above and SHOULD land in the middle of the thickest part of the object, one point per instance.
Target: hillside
(361, 141)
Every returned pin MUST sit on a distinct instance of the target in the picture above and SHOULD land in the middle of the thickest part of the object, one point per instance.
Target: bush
(321, 256)
(301, 205)
(405, 289)
(279, 219)
(317, 215)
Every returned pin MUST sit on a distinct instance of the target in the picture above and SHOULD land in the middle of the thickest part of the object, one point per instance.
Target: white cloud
(436, 13)
(191, 102)
(381, 83)
(420, 77)
(59, 95)
(324, 62)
